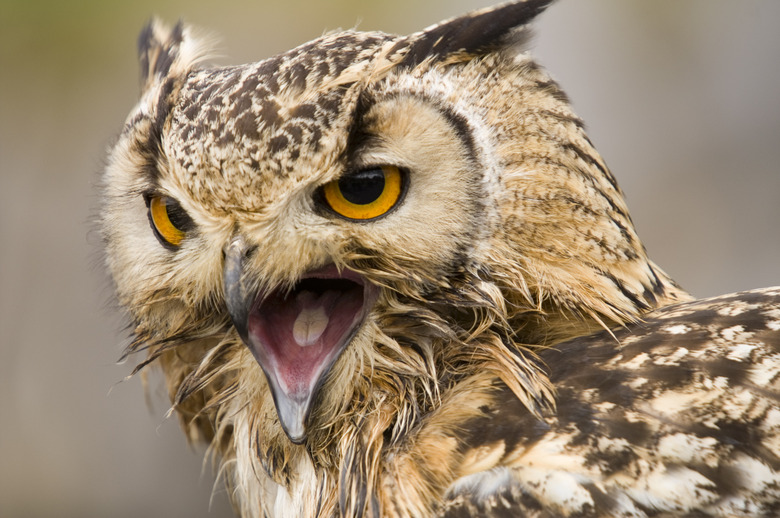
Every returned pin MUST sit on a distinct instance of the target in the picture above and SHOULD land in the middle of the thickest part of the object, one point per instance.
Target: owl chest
(298, 499)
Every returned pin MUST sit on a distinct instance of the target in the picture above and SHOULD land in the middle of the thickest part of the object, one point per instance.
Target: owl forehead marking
(251, 125)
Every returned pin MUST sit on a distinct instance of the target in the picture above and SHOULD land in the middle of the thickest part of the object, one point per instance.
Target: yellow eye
(169, 221)
(366, 194)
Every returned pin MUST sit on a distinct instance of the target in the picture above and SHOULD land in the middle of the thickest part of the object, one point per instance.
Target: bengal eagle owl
(391, 276)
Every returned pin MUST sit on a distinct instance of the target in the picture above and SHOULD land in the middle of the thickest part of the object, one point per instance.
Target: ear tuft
(165, 51)
(476, 33)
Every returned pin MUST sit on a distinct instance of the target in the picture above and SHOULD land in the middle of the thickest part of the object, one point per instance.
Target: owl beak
(237, 293)
(296, 335)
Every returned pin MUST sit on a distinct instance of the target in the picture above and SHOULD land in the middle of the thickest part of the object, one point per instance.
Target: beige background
(682, 98)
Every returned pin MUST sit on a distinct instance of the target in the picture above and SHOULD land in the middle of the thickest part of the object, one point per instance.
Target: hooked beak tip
(292, 416)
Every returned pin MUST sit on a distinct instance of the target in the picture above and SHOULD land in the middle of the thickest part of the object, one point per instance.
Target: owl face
(272, 208)
(305, 229)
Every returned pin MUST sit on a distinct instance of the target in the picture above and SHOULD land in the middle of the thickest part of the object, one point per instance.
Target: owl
(390, 276)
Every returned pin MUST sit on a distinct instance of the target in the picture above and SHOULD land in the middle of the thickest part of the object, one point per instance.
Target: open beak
(296, 335)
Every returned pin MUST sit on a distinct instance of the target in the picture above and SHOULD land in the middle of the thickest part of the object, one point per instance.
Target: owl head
(320, 247)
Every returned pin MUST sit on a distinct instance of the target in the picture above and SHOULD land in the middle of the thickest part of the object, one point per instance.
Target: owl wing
(675, 416)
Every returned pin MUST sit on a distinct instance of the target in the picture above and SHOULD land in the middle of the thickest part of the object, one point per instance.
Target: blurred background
(681, 98)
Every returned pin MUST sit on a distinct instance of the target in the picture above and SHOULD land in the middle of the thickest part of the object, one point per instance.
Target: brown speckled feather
(674, 416)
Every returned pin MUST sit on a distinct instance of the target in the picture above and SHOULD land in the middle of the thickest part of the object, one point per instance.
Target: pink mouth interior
(298, 335)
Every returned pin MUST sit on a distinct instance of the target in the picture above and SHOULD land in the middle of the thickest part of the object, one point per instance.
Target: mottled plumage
(391, 276)
(677, 414)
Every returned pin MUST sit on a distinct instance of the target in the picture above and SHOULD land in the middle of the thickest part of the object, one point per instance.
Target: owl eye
(169, 221)
(366, 194)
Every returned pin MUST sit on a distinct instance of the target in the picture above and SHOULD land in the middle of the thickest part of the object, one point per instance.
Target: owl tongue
(296, 337)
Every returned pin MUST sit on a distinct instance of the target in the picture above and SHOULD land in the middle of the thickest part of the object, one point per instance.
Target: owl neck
(576, 299)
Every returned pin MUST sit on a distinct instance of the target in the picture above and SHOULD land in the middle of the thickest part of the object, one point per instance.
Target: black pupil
(364, 187)
(176, 215)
